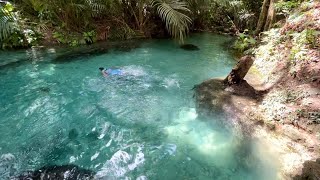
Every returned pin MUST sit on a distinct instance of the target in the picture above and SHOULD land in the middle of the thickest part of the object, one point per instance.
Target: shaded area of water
(57, 109)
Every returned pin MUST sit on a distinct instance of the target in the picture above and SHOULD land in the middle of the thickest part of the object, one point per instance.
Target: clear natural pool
(57, 109)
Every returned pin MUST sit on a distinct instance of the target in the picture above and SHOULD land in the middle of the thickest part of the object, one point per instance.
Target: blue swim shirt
(114, 71)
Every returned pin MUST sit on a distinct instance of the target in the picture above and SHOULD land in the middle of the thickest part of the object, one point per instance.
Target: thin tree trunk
(263, 16)
(270, 16)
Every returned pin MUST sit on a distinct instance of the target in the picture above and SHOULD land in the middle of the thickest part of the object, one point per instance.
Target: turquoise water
(56, 108)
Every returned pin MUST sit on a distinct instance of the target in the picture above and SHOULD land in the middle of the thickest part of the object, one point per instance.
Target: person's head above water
(104, 73)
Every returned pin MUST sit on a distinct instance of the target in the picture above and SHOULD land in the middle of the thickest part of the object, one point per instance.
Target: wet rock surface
(64, 172)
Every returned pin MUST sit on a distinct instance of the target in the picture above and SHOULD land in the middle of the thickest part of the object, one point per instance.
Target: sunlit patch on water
(206, 136)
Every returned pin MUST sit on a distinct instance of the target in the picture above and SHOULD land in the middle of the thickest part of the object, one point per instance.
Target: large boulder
(310, 171)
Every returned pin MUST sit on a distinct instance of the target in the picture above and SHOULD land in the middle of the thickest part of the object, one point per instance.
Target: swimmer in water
(107, 72)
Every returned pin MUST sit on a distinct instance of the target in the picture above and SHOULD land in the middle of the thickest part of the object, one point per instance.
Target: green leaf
(173, 13)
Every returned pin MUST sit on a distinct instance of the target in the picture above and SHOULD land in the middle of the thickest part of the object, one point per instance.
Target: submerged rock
(45, 89)
(65, 172)
(189, 47)
(73, 134)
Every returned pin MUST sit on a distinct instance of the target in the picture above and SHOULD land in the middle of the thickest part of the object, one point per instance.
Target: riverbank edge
(240, 102)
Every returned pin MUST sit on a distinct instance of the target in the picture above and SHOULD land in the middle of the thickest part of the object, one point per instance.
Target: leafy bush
(90, 37)
(285, 7)
(244, 42)
(60, 37)
(14, 31)
(75, 39)
(310, 36)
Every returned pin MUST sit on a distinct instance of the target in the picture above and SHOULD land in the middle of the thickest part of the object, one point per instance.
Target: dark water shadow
(14, 64)
(190, 47)
(84, 52)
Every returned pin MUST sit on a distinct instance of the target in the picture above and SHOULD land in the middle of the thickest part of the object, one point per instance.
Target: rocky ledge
(295, 148)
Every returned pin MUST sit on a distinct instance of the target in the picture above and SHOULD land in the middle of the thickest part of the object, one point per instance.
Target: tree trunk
(263, 16)
(270, 16)
(239, 71)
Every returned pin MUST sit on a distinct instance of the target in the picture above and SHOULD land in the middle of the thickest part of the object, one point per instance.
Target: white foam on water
(104, 130)
(109, 143)
(142, 178)
(170, 82)
(139, 159)
(134, 70)
(66, 175)
(94, 156)
(114, 167)
(187, 114)
(120, 164)
(72, 159)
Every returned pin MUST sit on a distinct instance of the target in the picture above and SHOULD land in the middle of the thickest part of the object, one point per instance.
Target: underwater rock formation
(44, 89)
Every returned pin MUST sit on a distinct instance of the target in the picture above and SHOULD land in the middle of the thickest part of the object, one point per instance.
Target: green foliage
(89, 37)
(128, 16)
(286, 7)
(7, 21)
(173, 14)
(75, 39)
(301, 42)
(60, 37)
(225, 15)
(122, 33)
(126, 19)
(309, 36)
(244, 42)
(14, 31)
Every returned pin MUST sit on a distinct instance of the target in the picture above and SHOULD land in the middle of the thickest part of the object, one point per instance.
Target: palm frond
(6, 24)
(96, 7)
(173, 13)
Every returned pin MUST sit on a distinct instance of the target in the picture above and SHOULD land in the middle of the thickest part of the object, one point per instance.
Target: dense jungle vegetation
(24, 23)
